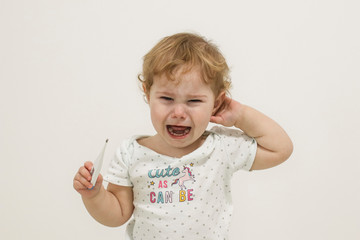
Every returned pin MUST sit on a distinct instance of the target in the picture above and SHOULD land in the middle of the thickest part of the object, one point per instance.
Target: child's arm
(111, 207)
(274, 145)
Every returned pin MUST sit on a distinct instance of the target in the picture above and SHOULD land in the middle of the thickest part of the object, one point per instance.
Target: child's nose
(179, 111)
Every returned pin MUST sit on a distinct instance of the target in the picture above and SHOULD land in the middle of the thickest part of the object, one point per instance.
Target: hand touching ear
(228, 113)
(274, 145)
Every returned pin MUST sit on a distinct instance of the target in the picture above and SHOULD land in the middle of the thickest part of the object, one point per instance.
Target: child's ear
(219, 102)
(146, 93)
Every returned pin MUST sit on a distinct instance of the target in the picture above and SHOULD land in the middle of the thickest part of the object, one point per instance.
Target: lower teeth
(179, 132)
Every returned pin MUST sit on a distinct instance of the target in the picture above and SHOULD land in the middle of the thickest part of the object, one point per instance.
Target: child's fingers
(88, 165)
(82, 184)
(81, 181)
(83, 177)
(216, 119)
(79, 185)
(85, 173)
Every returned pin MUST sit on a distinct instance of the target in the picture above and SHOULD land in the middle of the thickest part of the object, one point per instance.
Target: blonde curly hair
(189, 50)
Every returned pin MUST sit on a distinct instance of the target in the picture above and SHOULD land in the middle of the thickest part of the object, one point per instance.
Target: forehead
(182, 79)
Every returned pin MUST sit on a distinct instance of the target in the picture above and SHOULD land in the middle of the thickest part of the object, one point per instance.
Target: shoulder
(225, 132)
(239, 148)
(128, 146)
(232, 137)
(146, 141)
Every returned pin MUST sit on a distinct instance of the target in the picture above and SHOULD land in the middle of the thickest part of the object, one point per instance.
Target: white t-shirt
(187, 197)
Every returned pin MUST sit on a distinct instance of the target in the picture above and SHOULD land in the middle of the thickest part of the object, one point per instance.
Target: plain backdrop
(68, 81)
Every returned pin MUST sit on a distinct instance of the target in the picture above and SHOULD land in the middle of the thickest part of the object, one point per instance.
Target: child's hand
(228, 113)
(82, 181)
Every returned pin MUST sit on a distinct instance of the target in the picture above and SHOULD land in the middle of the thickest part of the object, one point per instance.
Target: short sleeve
(239, 147)
(118, 169)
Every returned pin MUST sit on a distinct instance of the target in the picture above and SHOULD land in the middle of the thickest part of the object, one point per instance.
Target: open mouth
(178, 131)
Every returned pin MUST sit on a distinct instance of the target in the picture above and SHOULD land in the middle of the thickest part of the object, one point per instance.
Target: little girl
(176, 184)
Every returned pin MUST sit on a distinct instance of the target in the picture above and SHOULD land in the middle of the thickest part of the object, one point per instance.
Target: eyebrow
(197, 96)
(188, 96)
(163, 93)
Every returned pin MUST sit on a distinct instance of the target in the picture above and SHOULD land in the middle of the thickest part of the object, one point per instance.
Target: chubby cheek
(201, 117)
(158, 115)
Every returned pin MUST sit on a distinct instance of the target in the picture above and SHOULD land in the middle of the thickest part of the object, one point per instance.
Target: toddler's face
(181, 109)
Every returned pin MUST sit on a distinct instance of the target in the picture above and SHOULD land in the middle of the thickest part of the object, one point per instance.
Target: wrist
(240, 112)
(96, 197)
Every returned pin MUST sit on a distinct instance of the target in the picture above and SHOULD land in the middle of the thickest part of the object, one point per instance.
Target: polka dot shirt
(187, 197)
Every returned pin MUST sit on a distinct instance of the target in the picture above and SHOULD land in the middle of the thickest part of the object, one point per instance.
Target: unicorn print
(187, 177)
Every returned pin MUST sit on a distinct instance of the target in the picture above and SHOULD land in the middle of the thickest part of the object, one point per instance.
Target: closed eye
(166, 98)
(195, 100)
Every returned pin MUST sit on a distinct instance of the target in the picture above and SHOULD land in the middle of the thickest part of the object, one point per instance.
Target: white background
(68, 81)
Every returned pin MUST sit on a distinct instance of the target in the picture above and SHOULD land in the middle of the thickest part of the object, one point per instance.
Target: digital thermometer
(95, 171)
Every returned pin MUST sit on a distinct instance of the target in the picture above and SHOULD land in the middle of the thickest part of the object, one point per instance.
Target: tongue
(177, 128)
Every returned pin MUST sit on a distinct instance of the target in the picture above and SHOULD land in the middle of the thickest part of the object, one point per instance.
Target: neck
(156, 144)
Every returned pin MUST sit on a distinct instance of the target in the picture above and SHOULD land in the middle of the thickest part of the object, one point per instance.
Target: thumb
(98, 183)
(99, 180)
